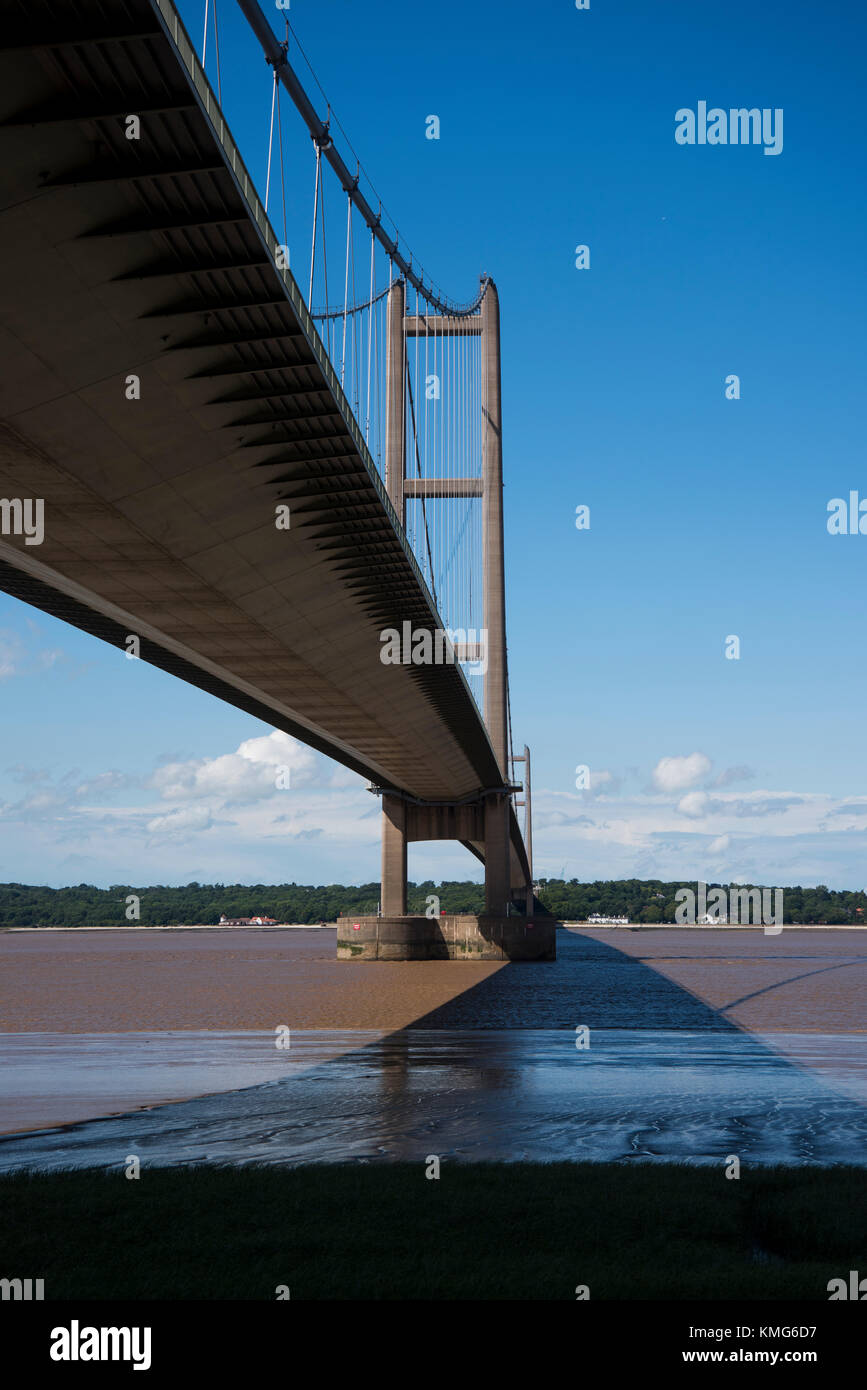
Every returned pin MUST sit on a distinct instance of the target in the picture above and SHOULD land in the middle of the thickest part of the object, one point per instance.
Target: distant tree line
(652, 900)
(641, 900)
(23, 905)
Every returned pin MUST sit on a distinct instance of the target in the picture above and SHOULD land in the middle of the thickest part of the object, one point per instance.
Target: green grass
(481, 1231)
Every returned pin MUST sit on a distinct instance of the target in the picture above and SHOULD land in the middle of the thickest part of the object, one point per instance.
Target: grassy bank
(481, 1231)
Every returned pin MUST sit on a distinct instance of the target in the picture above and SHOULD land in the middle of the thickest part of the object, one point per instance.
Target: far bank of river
(332, 926)
(183, 926)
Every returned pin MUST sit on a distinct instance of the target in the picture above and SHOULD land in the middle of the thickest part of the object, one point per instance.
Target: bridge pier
(497, 855)
(393, 889)
(502, 932)
(484, 826)
(462, 937)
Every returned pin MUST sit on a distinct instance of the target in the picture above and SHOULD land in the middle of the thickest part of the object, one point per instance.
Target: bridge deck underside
(142, 257)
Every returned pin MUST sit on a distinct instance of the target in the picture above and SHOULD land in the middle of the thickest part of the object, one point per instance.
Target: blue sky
(708, 516)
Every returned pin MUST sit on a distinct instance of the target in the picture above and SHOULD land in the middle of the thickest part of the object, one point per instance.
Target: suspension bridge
(264, 448)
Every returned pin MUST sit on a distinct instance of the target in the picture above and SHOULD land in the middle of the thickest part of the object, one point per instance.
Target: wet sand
(493, 1094)
(59, 1079)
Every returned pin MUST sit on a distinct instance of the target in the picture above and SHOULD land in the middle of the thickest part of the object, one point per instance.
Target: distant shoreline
(187, 926)
(713, 926)
(332, 926)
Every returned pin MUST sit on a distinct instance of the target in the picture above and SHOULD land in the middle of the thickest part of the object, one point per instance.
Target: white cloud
(604, 782)
(765, 835)
(10, 655)
(734, 774)
(48, 799)
(345, 777)
(17, 658)
(676, 774)
(696, 805)
(762, 804)
(543, 817)
(102, 784)
(248, 775)
(181, 820)
(223, 818)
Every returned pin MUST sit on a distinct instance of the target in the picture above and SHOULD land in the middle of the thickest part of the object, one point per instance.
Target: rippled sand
(493, 1094)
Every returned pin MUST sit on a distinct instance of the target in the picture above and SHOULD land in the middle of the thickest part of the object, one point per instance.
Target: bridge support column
(497, 855)
(494, 582)
(393, 856)
(527, 877)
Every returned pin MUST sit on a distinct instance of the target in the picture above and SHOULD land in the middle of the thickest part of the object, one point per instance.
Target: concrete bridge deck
(153, 258)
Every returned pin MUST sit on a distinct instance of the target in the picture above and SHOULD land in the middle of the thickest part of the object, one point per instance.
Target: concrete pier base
(464, 937)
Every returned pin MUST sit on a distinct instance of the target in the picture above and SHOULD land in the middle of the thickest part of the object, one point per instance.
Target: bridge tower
(484, 825)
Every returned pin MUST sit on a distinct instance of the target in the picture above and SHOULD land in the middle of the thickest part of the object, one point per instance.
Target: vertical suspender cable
(282, 165)
(270, 144)
(441, 454)
(452, 434)
(415, 423)
(369, 333)
(328, 322)
(425, 398)
(374, 425)
(418, 471)
(355, 318)
(315, 215)
(217, 50)
(205, 34)
(345, 289)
